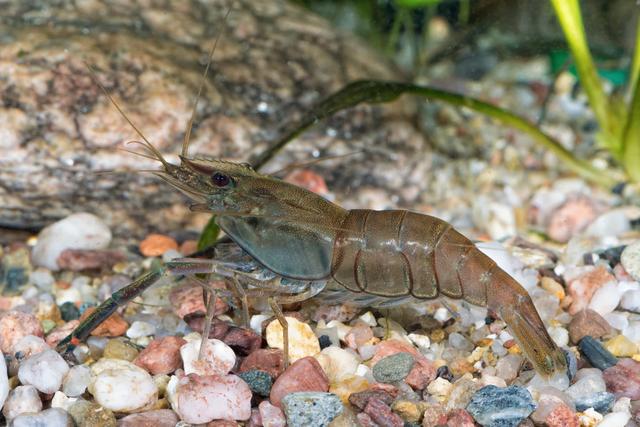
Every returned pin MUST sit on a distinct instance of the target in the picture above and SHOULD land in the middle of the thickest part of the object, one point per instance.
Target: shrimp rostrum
(294, 242)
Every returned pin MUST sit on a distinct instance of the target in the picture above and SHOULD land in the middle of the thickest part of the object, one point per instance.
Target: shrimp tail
(515, 307)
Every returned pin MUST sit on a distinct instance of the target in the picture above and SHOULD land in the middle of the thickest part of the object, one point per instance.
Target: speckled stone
(501, 407)
(601, 401)
(304, 409)
(623, 379)
(259, 382)
(393, 368)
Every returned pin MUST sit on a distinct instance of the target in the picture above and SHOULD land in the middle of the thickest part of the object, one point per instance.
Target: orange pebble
(188, 247)
(114, 326)
(157, 244)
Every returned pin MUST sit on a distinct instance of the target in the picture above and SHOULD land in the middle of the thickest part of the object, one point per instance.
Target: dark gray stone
(596, 354)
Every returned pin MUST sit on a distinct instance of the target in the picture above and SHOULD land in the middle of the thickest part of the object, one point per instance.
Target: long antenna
(187, 134)
(146, 143)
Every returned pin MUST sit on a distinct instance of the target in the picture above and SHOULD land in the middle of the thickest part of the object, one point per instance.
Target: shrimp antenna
(306, 163)
(147, 144)
(187, 134)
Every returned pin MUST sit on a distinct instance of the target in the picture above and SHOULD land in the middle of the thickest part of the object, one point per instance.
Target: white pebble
(442, 315)
(632, 331)
(30, 345)
(590, 417)
(22, 399)
(507, 368)
(367, 351)
(60, 400)
(4, 381)
(342, 329)
(559, 335)
(369, 319)
(52, 417)
(609, 224)
(421, 341)
(439, 388)
(618, 320)
(139, 329)
(337, 363)
(605, 299)
(70, 294)
(217, 358)
(76, 381)
(631, 300)
(44, 371)
(42, 278)
(623, 404)
(615, 419)
(198, 400)
(365, 372)
(256, 322)
(302, 341)
(586, 386)
(77, 231)
(630, 260)
(121, 386)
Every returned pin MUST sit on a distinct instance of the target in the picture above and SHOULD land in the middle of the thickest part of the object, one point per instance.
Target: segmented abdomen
(397, 253)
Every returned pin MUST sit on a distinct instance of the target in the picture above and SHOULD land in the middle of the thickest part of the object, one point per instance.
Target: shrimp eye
(220, 180)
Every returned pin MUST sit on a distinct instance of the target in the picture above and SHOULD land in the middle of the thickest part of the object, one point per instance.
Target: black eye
(219, 179)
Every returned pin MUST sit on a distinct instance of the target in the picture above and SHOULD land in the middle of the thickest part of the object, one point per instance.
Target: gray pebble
(393, 368)
(601, 402)
(53, 417)
(311, 408)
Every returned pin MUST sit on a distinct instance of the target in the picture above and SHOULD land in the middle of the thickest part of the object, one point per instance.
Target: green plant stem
(635, 64)
(631, 141)
(570, 18)
(374, 91)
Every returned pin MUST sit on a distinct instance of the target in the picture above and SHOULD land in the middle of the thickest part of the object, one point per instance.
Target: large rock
(274, 61)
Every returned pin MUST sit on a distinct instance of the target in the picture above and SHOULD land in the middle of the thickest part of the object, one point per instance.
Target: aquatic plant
(619, 121)
(618, 116)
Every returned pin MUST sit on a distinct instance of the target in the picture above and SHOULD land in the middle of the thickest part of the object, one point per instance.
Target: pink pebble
(623, 379)
(14, 325)
(272, 416)
(201, 399)
(305, 374)
(162, 355)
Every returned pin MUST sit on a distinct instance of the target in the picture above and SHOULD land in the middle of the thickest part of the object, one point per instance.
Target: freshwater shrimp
(289, 243)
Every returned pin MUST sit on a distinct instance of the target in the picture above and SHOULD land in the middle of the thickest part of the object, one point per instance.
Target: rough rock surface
(274, 61)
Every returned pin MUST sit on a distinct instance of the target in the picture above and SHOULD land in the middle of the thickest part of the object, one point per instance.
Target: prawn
(290, 243)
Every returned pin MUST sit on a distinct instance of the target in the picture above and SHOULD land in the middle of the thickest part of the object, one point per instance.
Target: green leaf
(374, 91)
(631, 139)
(209, 234)
(414, 4)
